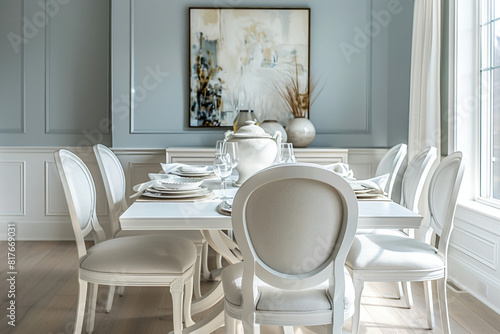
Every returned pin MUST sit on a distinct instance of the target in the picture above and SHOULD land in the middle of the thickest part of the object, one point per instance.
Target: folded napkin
(376, 184)
(167, 168)
(142, 187)
(341, 169)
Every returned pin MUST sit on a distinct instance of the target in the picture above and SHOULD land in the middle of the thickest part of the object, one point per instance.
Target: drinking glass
(286, 153)
(223, 168)
(231, 148)
(219, 146)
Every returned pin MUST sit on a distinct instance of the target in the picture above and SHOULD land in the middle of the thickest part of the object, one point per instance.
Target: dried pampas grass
(289, 90)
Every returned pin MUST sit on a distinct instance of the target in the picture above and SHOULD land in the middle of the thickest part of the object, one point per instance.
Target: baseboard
(39, 231)
(469, 279)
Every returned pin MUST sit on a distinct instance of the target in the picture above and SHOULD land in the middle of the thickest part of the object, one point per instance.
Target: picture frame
(236, 57)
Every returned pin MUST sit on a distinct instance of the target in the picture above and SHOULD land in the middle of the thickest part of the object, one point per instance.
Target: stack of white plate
(194, 171)
(177, 189)
(365, 191)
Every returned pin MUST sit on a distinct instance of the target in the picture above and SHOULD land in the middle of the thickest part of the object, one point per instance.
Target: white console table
(194, 155)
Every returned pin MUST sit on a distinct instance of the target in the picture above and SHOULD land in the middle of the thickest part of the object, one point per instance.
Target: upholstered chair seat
(381, 252)
(273, 299)
(141, 254)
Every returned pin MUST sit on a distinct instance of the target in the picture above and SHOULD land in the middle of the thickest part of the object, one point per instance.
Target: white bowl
(193, 169)
(180, 184)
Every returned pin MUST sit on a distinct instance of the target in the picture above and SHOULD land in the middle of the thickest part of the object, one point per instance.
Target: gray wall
(54, 72)
(59, 88)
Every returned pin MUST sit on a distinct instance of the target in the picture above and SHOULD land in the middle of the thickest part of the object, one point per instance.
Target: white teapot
(256, 149)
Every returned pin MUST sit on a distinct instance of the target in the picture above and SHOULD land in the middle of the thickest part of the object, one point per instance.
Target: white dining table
(191, 215)
(158, 215)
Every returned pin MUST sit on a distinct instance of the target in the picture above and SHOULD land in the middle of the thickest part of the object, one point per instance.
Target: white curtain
(424, 123)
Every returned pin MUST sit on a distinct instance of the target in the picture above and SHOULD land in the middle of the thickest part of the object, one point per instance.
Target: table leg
(208, 300)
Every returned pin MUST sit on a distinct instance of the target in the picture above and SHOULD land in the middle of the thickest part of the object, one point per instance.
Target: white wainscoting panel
(12, 178)
(55, 203)
(474, 255)
(364, 162)
(36, 201)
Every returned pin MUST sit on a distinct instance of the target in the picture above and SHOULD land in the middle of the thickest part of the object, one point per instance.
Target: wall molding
(19, 183)
(478, 242)
(22, 111)
(48, 167)
(69, 131)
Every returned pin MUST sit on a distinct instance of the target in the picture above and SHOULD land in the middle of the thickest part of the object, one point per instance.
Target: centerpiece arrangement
(298, 100)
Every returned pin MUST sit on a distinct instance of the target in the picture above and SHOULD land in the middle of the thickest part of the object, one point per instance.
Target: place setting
(189, 171)
(365, 190)
(371, 189)
(173, 188)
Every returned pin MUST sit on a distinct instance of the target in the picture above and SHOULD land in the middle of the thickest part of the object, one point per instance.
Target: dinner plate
(366, 190)
(154, 189)
(200, 174)
(224, 208)
(367, 195)
(200, 193)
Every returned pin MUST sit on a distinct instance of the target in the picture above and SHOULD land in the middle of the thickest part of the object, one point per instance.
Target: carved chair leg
(109, 300)
(188, 292)
(359, 284)
(443, 305)
(91, 307)
(177, 291)
(429, 304)
(80, 306)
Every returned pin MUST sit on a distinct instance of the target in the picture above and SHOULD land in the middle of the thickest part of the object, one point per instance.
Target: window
(490, 100)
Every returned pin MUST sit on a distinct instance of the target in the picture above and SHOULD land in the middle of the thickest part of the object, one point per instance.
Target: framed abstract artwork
(235, 57)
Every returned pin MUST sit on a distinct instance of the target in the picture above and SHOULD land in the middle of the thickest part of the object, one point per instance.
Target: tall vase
(243, 116)
(300, 131)
(271, 126)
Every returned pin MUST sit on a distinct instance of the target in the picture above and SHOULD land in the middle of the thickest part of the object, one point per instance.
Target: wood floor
(46, 288)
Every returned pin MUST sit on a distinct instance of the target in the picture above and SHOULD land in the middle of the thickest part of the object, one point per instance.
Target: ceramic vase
(243, 116)
(300, 131)
(271, 126)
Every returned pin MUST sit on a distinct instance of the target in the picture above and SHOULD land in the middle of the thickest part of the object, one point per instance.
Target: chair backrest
(398, 181)
(113, 178)
(415, 175)
(294, 224)
(79, 190)
(443, 194)
(391, 164)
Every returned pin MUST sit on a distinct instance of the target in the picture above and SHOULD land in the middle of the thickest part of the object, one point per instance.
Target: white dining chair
(114, 181)
(412, 185)
(386, 258)
(147, 260)
(392, 163)
(294, 225)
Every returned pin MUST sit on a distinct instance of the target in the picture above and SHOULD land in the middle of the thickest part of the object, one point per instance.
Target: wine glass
(231, 148)
(219, 146)
(286, 153)
(223, 168)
